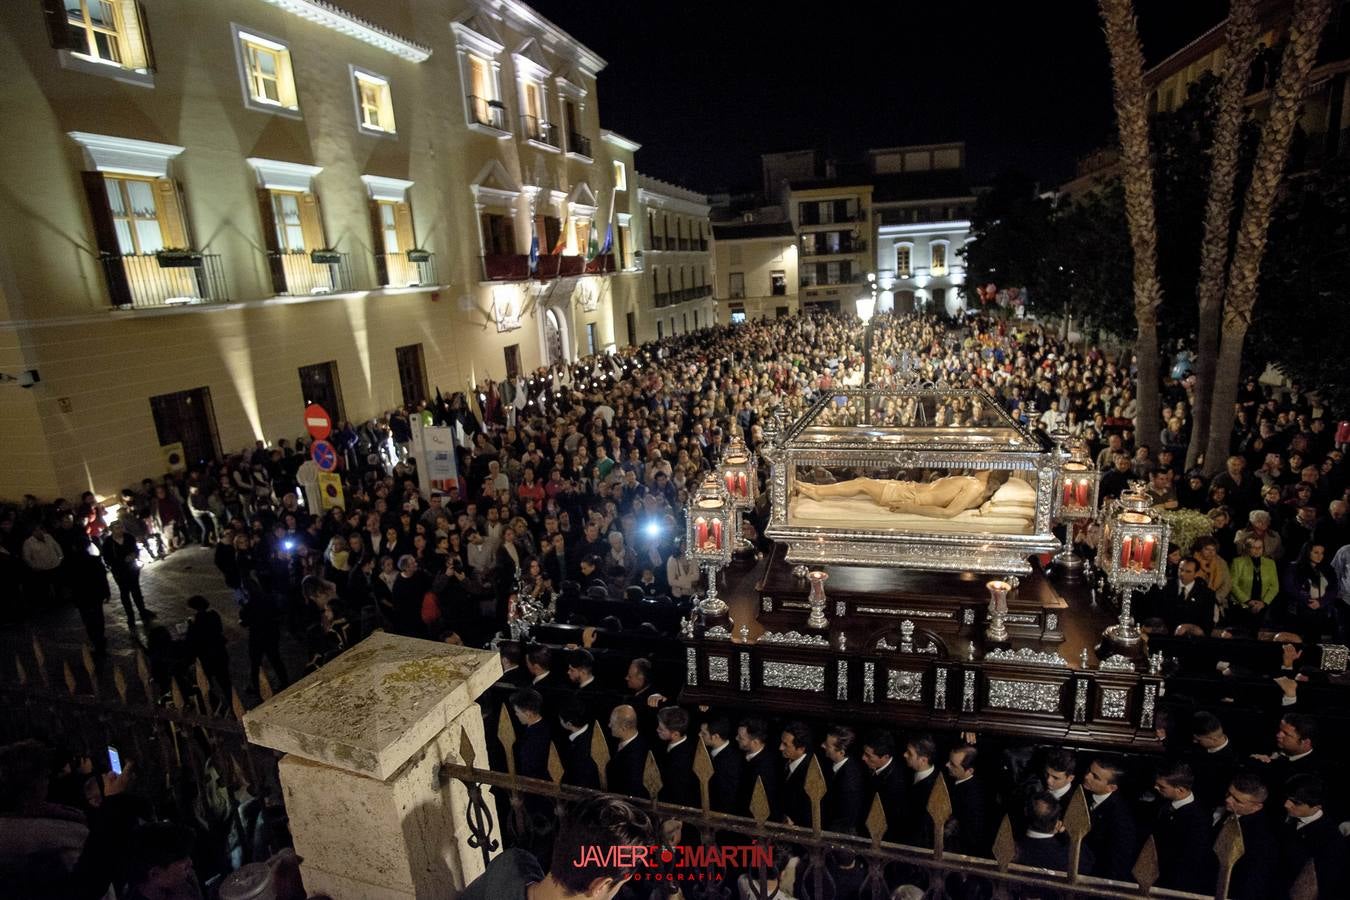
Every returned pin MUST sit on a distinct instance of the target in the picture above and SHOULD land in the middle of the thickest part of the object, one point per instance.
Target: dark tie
(1256, 579)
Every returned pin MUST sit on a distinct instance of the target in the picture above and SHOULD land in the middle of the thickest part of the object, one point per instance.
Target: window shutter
(276, 266)
(63, 36)
(169, 206)
(403, 224)
(377, 243)
(286, 90)
(387, 109)
(311, 224)
(136, 35)
(105, 237)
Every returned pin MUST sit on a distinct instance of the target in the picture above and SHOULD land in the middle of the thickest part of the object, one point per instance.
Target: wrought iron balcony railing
(144, 281)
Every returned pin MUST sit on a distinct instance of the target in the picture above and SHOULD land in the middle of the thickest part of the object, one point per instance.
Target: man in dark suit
(1044, 844)
(794, 806)
(638, 680)
(1213, 761)
(513, 672)
(887, 782)
(1254, 875)
(532, 740)
(629, 759)
(1112, 837)
(539, 663)
(579, 766)
(842, 808)
(1186, 599)
(920, 751)
(581, 674)
(1295, 754)
(1307, 833)
(968, 828)
(724, 788)
(678, 782)
(761, 766)
(1181, 832)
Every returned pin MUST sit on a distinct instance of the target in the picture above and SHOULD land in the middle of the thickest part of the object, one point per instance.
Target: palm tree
(1131, 102)
(1300, 53)
(1240, 39)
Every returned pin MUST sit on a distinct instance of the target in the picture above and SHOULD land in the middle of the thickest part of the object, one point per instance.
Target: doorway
(412, 374)
(319, 384)
(512, 354)
(187, 417)
(553, 339)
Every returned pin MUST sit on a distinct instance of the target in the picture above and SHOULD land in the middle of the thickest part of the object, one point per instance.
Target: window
(592, 339)
(135, 214)
(651, 227)
(939, 255)
(620, 176)
(319, 384)
(389, 230)
(101, 37)
(778, 284)
(624, 235)
(537, 126)
(630, 321)
(98, 23)
(499, 238)
(290, 226)
(737, 314)
(512, 357)
(660, 329)
(265, 64)
(187, 418)
(547, 229)
(737, 285)
(412, 374)
(902, 264)
(374, 102)
(696, 325)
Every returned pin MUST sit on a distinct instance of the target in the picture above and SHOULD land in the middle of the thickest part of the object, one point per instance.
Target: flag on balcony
(609, 226)
(592, 246)
(534, 254)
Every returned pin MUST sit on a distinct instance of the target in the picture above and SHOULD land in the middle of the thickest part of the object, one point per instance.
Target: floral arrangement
(1188, 526)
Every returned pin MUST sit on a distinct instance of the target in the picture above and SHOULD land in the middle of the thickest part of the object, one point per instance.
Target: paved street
(166, 586)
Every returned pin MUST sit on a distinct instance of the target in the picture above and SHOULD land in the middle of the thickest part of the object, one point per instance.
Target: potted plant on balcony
(325, 256)
(178, 258)
(416, 255)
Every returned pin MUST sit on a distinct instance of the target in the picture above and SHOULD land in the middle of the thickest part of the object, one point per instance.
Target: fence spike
(203, 687)
(703, 770)
(555, 766)
(651, 777)
(759, 802)
(815, 791)
(69, 674)
(1077, 823)
(143, 673)
(120, 684)
(506, 733)
(1005, 845)
(1228, 847)
(876, 822)
(1145, 869)
(236, 705)
(40, 658)
(176, 695)
(87, 657)
(264, 686)
(939, 810)
(1305, 885)
(600, 755)
(466, 752)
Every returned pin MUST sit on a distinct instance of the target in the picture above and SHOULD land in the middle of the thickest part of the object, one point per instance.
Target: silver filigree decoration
(884, 644)
(1155, 663)
(1146, 711)
(1335, 657)
(1051, 622)
(794, 676)
(1023, 696)
(1116, 664)
(794, 638)
(902, 685)
(869, 681)
(909, 613)
(766, 604)
(745, 671)
(719, 669)
(794, 604)
(841, 687)
(968, 616)
(940, 687)
(907, 636)
(717, 633)
(1026, 655)
(1114, 701)
(968, 692)
(691, 665)
(1019, 619)
(840, 608)
(1080, 700)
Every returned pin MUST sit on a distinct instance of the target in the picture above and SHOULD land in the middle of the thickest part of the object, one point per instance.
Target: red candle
(731, 483)
(1144, 553)
(1125, 551)
(700, 532)
(740, 485)
(717, 533)
(1083, 492)
(1068, 493)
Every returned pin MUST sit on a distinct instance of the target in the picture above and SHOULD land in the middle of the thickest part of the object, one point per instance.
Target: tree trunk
(1131, 102)
(1240, 37)
(1305, 33)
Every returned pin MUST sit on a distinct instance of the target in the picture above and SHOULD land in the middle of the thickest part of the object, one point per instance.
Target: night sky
(706, 87)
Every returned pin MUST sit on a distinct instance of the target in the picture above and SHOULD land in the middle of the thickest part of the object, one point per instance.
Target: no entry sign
(318, 422)
(325, 455)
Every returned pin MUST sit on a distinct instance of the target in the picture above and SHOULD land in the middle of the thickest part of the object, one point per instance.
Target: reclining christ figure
(945, 498)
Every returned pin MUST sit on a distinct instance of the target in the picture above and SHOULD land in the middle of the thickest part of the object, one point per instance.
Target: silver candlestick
(1125, 631)
(816, 599)
(711, 605)
(998, 609)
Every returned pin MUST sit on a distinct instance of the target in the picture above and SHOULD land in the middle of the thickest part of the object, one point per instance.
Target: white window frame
(946, 257)
(620, 175)
(241, 34)
(78, 61)
(358, 74)
(470, 42)
(908, 271)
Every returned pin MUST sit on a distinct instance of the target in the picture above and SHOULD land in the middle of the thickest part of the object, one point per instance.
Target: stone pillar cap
(372, 708)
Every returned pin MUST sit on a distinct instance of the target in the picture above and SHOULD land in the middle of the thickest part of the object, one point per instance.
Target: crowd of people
(578, 475)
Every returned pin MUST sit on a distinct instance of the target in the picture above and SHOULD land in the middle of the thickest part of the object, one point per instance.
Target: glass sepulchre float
(924, 477)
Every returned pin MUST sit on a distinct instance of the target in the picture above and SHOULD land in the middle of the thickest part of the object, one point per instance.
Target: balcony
(150, 280)
(810, 281)
(601, 265)
(658, 242)
(579, 145)
(516, 266)
(507, 266)
(843, 248)
(298, 274)
(490, 115)
(416, 268)
(537, 131)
